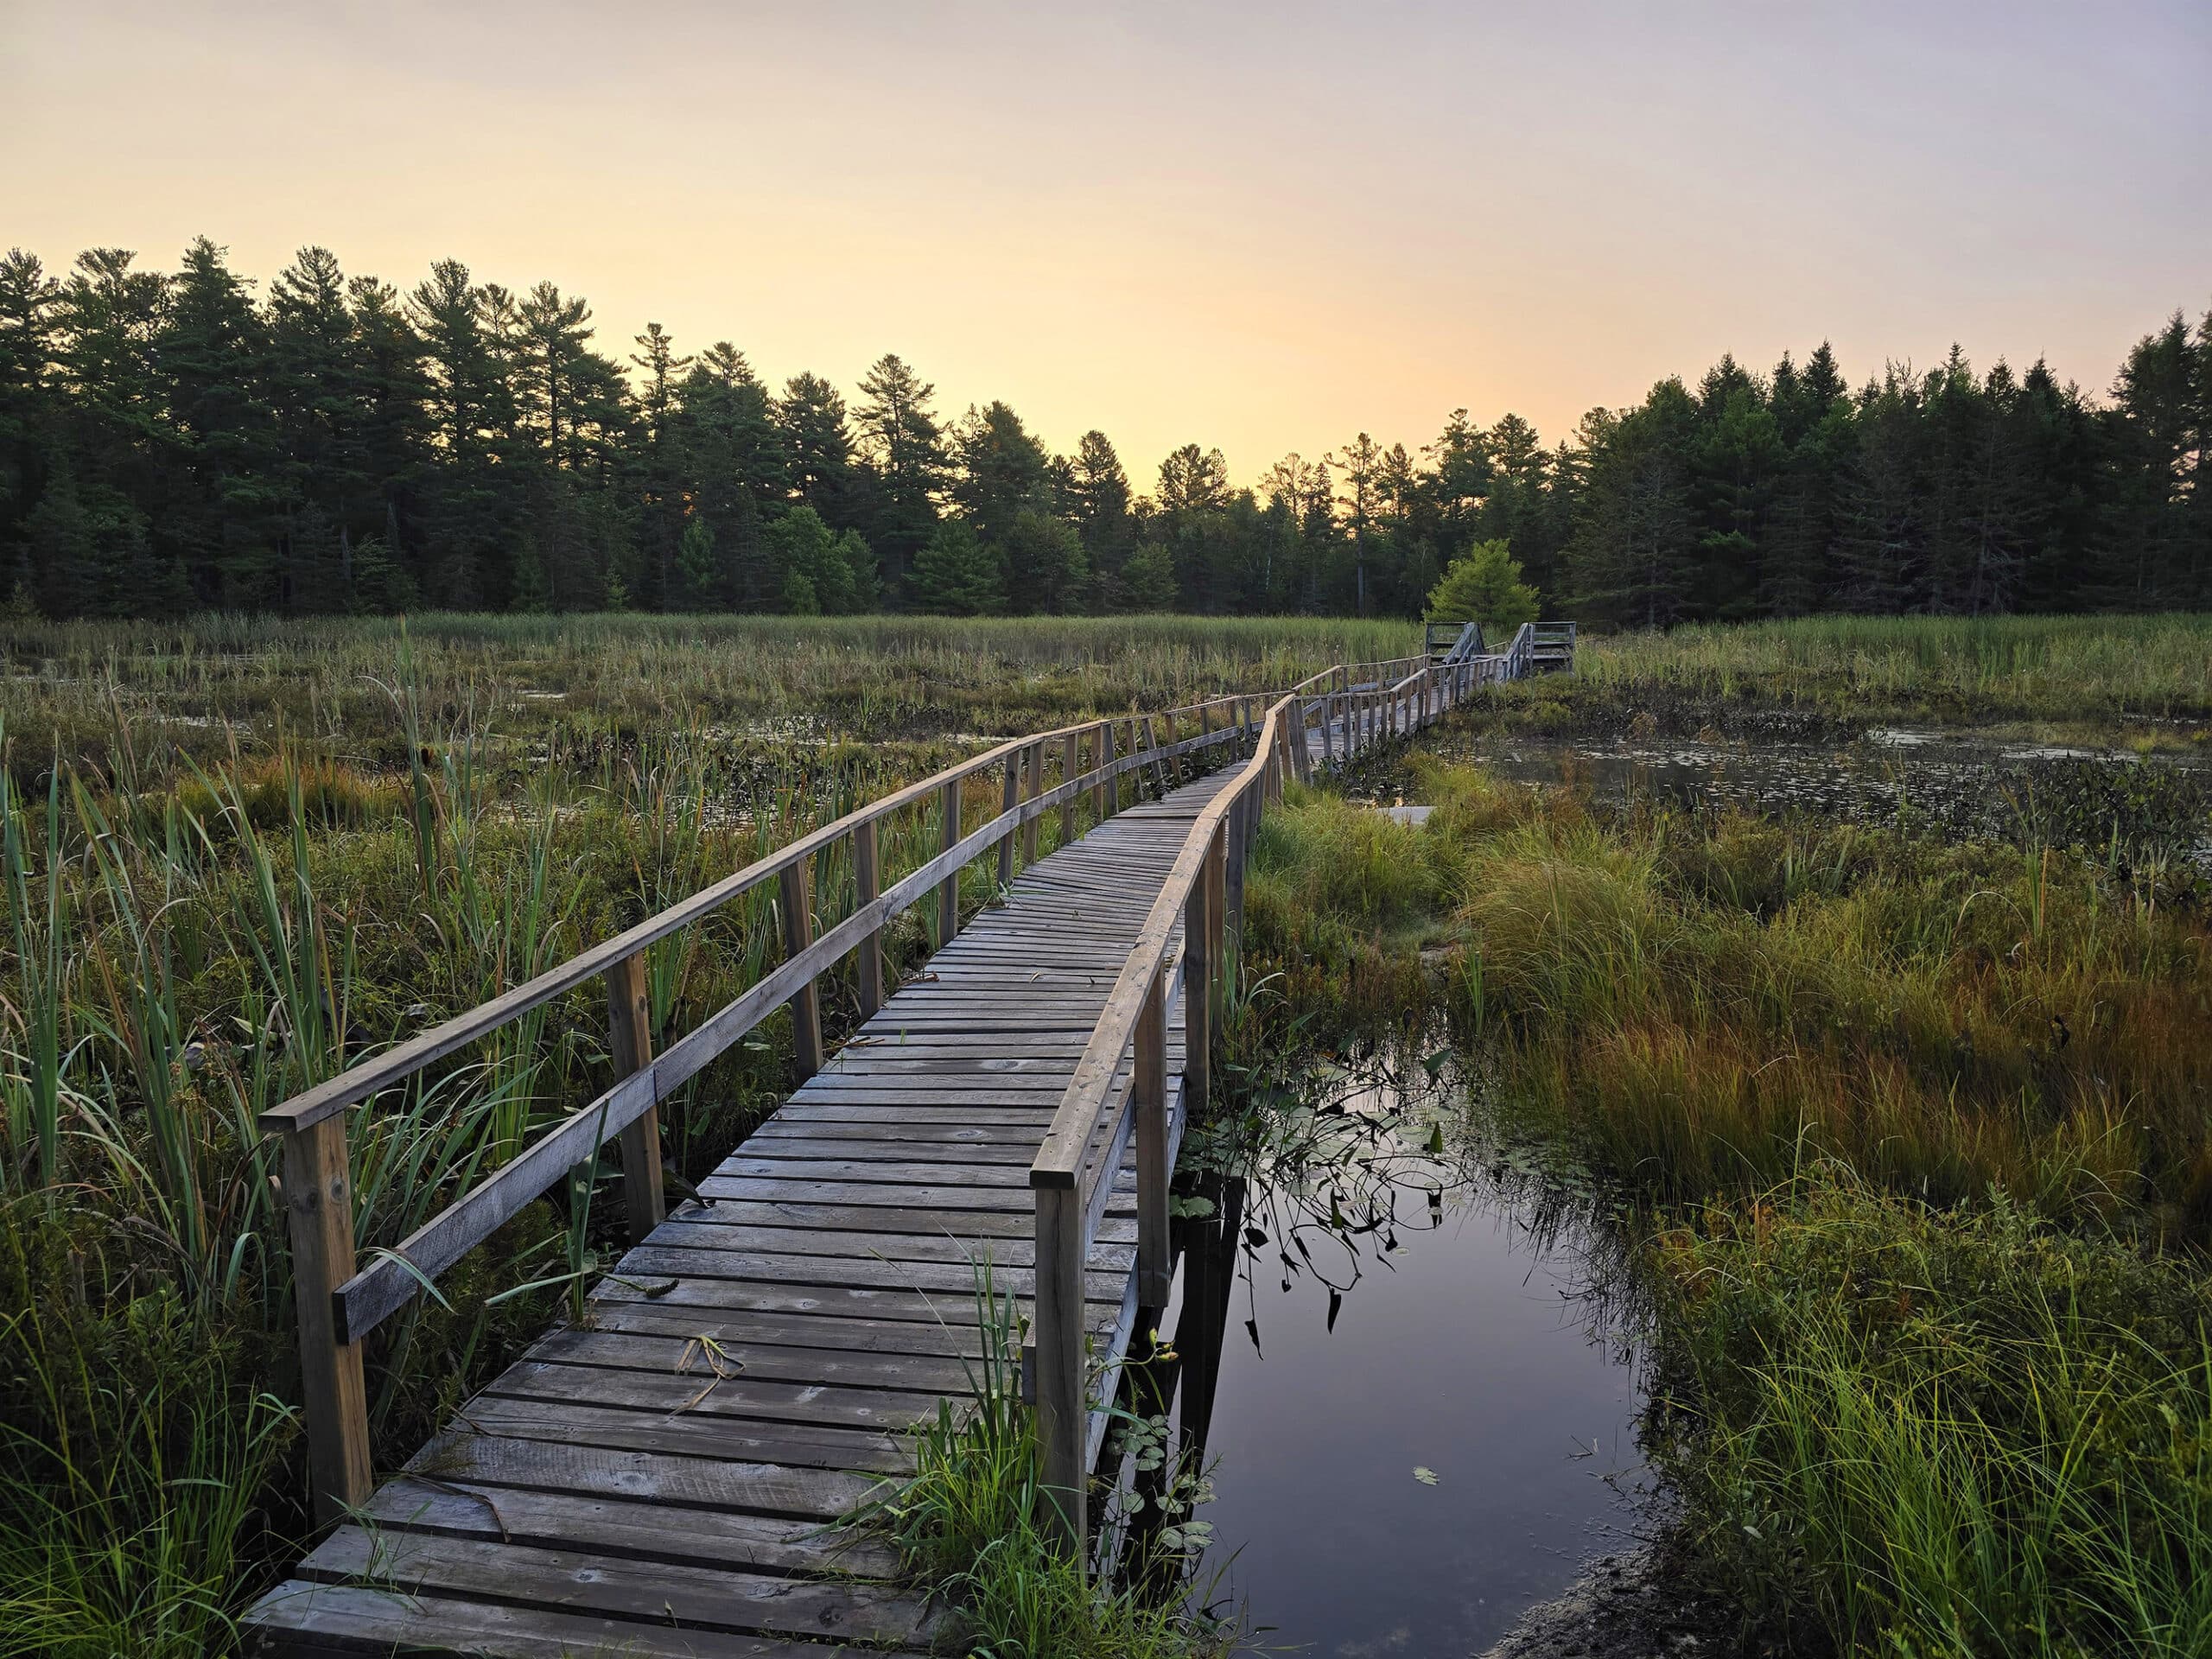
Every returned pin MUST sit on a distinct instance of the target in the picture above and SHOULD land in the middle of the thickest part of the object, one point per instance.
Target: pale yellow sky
(1258, 227)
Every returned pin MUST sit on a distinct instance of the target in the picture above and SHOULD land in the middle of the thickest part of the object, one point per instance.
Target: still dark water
(1471, 1350)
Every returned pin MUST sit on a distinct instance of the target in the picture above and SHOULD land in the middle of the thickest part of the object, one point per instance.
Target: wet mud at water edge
(1399, 1359)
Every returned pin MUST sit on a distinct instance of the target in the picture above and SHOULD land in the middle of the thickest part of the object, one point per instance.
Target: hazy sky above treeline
(1262, 228)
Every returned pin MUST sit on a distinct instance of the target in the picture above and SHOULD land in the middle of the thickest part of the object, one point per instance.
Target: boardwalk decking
(624, 1489)
(660, 1479)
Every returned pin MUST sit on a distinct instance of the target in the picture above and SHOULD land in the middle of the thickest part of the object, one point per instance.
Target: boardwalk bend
(655, 1478)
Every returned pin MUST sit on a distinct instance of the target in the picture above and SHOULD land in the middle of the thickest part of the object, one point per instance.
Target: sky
(1260, 227)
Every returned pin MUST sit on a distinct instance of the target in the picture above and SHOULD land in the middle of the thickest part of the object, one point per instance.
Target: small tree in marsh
(1485, 583)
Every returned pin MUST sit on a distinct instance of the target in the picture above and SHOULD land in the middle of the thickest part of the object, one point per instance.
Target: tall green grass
(1900, 1430)
(966, 1524)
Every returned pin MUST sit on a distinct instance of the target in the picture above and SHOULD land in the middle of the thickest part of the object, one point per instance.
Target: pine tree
(817, 447)
(705, 578)
(899, 437)
(1631, 556)
(1149, 580)
(1878, 550)
(957, 575)
(1483, 585)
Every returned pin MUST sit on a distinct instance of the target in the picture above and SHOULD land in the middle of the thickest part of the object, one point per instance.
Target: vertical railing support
(1148, 1100)
(1240, 813)
(1032, 766)
(1201, 946)
(1106, 793)
(1009, 797)
(1217, 926)
(630, 1044)
(948, 891)
(868, 886)
(1070, 769)
(799, 934)
(318, 1210)
(1063, 1416)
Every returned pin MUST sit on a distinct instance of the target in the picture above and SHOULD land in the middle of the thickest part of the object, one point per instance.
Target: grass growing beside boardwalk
(1914, 1137)
(966, 1525)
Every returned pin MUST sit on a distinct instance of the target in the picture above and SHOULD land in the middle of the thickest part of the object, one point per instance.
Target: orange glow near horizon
(1261, 229)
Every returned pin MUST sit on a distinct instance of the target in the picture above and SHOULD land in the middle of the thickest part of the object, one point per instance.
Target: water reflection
(1391, 1344)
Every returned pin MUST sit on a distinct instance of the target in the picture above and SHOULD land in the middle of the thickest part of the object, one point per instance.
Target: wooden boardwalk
(660, 1479)
(657, 1480)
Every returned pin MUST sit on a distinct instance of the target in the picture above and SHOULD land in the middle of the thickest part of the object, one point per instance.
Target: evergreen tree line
(172, 440)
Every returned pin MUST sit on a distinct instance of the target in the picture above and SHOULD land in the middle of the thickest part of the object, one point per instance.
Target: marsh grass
(966, 1526)
(1898, 1430)
(582, 693)
(1913, 1135)
(1706, 1004)
(2059, 668)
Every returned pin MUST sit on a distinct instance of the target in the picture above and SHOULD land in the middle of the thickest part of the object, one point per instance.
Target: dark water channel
(1419, 1422)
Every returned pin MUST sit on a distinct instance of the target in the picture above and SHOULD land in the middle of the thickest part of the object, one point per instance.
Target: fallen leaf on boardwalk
(1426, 1476)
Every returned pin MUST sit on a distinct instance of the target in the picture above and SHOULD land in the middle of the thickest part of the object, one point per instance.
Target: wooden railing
(339, 1301)
(1198, 912)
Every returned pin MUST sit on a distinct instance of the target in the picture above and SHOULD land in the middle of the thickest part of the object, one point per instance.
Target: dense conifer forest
(171, 441)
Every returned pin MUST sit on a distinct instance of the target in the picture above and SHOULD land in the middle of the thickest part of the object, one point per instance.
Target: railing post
(1063, 1417)
(1009, 797)
(1148, 1099)
(1329, 729)
(1217, 928)
(319, 1212)
(1070, 769)
(1201, 946)
(630, 1044)
(1033, 763)
(868, 886)
(1240, 843)
(1159, 765)
(1106, 794)
(948, 891)
(799, 934)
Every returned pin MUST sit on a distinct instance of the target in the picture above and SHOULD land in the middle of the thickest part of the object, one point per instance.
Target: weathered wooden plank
(706, 1233)
(301, 1618)
(617, 1529)
(781, 1384)
(681, 1482)
(837, 1273)
(757, 1440)
(660, 1592)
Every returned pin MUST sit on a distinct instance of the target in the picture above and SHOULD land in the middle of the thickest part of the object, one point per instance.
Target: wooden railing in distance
(1199, 911)
(340, 1302)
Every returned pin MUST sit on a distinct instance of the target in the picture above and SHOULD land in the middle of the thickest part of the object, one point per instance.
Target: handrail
(1076, 1166)
(339, 1302)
